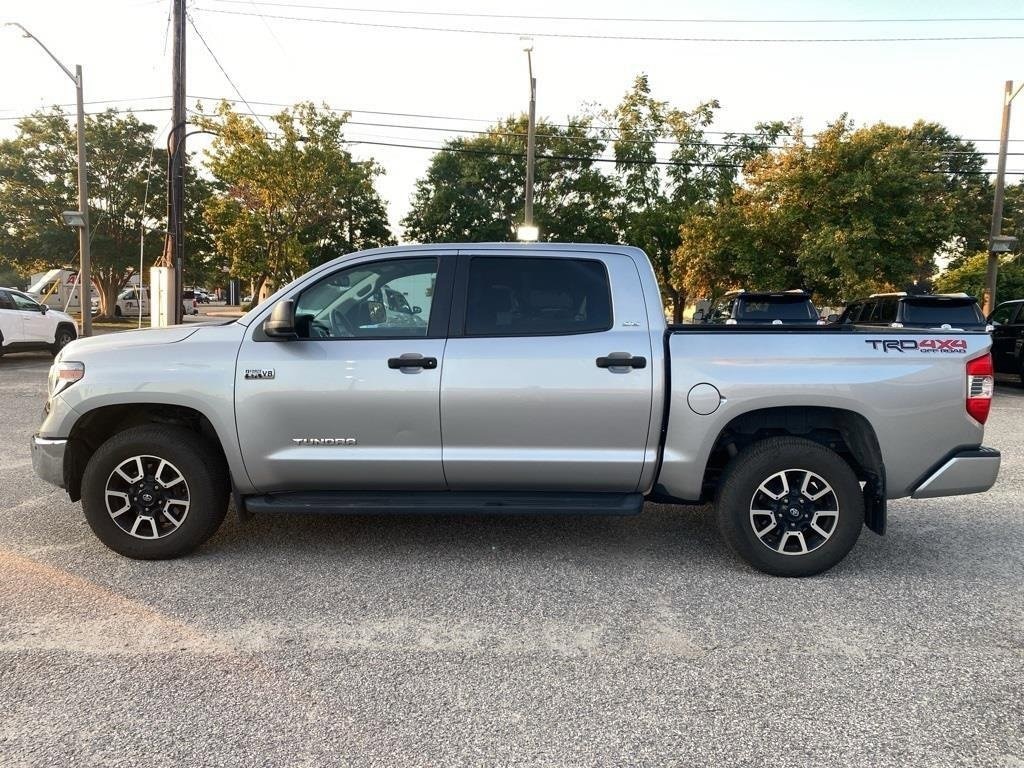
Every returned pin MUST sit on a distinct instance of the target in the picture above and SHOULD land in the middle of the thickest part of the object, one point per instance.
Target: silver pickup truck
(511, 379)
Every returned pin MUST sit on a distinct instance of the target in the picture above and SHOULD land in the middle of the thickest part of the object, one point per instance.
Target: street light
(85, 261)
(528, 231)
(994, 246)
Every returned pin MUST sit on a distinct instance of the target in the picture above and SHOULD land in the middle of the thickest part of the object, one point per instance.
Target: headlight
(63, 375)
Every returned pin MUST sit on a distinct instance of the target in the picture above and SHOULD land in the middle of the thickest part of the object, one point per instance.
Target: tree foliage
(857, 210)
(473, 190)
(657, 199)
(38, 180)
(286, 201)
(969, 277)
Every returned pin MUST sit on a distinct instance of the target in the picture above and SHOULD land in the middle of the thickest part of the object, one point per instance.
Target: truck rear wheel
(154, 492)
(790, 506)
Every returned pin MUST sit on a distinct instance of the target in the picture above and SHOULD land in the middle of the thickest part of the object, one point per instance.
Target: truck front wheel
(790, 506)
(154, 492)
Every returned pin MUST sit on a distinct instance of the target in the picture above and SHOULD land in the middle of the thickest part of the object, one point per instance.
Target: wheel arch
(68, 326)
(846, 432)
(96, 426)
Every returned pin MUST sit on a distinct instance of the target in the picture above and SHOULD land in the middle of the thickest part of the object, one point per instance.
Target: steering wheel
(342, 325)
(318, 330)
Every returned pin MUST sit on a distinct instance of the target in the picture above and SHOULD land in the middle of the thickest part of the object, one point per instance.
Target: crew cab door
(36, 327)
(529, 398)
(353, 403)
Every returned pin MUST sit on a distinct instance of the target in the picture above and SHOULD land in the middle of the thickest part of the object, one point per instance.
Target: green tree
(38, 181)
(969, 277)
(473, 190)
(860, 209)
(662, 190)
(289, 200)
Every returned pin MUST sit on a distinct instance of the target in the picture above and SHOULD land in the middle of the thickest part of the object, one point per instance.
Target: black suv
(898, 310)
(764, 307)
(1008, 337)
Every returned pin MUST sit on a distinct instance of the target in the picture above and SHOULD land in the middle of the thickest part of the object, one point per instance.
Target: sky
(466, 80)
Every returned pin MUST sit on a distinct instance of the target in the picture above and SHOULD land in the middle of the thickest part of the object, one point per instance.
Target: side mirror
(417, 310)
(281, 323)
(833, 318)
(43, 308)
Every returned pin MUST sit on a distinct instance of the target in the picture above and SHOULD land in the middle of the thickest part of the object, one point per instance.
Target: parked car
(189, 303)
(1007, 321)
(202, 295)
(765, 307)
(133, 300)
(558, 372)
(901, 310)
(25, 324)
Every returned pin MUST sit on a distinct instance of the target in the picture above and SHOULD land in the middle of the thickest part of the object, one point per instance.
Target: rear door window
(537, 297)
(765, 310)
(936, 312)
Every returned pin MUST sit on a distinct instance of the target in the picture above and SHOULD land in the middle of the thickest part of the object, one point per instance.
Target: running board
(445, 503)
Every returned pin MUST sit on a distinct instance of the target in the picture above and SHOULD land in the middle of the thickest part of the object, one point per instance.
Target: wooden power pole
(174, 243)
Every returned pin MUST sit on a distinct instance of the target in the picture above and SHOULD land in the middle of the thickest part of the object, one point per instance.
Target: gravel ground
(452, 641)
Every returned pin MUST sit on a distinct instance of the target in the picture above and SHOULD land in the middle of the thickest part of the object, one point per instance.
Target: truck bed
(909, 385)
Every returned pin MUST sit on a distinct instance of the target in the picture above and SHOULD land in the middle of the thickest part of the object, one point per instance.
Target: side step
(445, 503)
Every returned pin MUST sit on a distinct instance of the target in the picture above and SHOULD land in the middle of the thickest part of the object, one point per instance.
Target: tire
(117, 311)
(61, 339)
(179, 517)
(790, 534)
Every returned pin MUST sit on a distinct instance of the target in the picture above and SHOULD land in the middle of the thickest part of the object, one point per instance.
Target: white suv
(26, 324)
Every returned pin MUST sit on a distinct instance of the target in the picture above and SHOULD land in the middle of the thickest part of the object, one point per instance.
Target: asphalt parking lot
(307, 641)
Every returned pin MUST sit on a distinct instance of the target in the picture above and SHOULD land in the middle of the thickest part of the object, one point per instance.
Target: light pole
(85, 260)
(996, 246)
(528, 230)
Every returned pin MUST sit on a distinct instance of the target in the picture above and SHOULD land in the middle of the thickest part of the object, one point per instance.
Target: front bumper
(48, 459)
(966, 471)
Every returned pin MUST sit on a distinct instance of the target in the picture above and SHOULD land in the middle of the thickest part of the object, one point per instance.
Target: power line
(634, 38)
(499, 153)
(486, 121)
(519, 134)
(221, 68)
(676, 20)
(125, 111)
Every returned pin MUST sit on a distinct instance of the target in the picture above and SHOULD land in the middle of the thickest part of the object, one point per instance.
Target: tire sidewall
(200, 468)
(760, 461)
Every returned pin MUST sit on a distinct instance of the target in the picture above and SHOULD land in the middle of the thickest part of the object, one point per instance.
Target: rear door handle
(621, 360)
(412, 361)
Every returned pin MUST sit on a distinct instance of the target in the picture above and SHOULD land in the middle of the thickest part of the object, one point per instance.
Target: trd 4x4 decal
(943, 346)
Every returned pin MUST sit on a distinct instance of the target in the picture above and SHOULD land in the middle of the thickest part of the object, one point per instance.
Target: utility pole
(529, 230)
(84, 253)
(997, 202)
(82, 220)
(174, 243)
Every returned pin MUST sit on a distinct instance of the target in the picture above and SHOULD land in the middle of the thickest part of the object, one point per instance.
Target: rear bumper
(966, 471)
(48, 459)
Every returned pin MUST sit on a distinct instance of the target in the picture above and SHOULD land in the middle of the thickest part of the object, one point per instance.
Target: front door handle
(412, 361)
(621, 360)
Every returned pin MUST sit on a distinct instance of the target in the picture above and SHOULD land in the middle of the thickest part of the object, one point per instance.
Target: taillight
(980, 384)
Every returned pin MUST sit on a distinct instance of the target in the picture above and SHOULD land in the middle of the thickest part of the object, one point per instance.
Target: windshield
(936, 312)
(769, 308)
